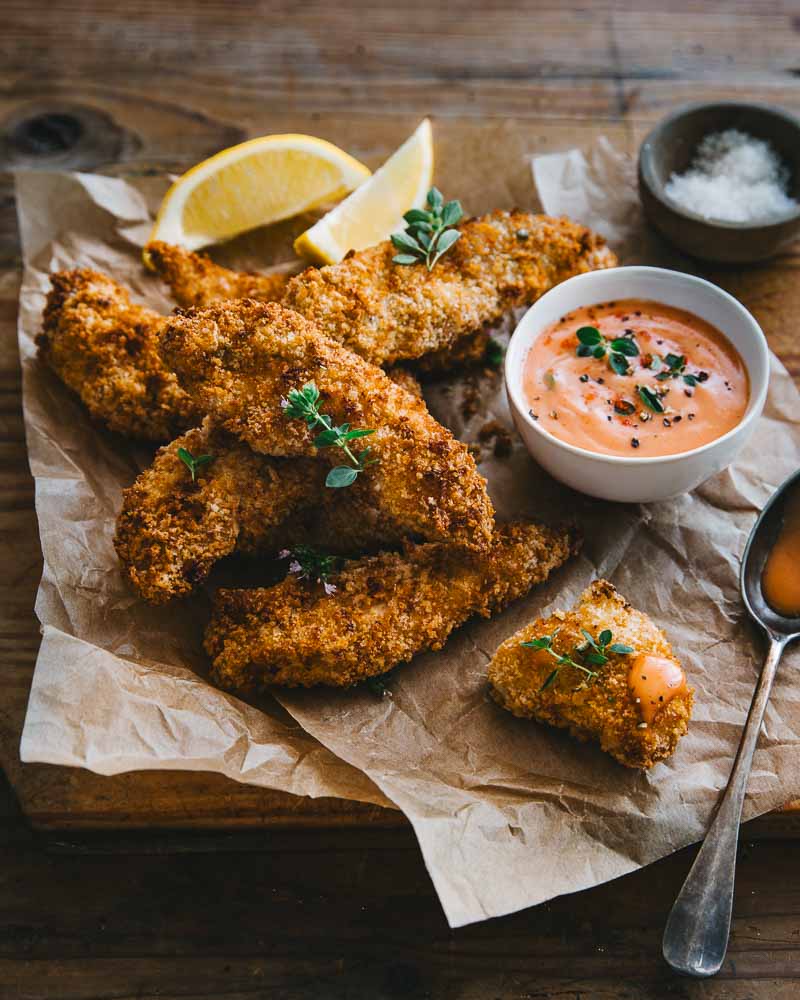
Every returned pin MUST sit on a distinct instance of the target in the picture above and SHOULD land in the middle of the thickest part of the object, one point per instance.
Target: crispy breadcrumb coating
(172, 529)
(104, 347)
(387, 312)
(195, 280)
(239, 360)
(406, 380)
(385, 610)
(602, 709)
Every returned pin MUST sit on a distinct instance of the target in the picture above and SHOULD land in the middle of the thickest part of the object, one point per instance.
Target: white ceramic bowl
(630, 479)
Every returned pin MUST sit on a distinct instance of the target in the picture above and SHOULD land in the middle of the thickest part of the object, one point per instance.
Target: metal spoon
(696, 935)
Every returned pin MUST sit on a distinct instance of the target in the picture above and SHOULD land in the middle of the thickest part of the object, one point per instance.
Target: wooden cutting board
(56, 798)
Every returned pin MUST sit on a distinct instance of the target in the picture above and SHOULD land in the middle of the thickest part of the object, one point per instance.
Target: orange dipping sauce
(780, 581)
(654, 681)
(678, 385)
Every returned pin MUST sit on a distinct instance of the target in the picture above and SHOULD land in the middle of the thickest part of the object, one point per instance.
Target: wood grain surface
(338, 912)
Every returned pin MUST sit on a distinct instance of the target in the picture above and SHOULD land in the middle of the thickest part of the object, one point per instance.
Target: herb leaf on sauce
(650, 399)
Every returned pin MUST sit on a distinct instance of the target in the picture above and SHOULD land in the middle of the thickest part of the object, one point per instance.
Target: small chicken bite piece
(173, 526)
(195, 280)
(105, 348)
(384, 610)
(603, 671)
(240, 362)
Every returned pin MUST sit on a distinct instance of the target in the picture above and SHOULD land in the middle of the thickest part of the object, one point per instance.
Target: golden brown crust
(195, 280)
(386, 312)
(172, 529)
(104, 347)
(239, 360)
(385, 610)
(406, 380)
(603, 709)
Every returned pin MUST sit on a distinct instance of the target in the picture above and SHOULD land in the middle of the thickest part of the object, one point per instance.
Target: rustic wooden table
(345, 910)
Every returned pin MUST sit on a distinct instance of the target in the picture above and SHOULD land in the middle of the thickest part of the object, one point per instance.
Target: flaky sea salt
(733, 177)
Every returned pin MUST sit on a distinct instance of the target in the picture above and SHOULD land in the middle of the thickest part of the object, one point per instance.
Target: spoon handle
(696, 935)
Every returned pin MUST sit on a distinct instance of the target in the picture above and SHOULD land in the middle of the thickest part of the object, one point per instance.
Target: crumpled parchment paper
(507, 813)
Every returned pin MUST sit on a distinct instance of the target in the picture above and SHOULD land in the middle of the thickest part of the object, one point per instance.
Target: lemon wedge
(375, 210)
(255, 183)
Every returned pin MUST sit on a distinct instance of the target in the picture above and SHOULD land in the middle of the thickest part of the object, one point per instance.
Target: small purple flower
(329, 588)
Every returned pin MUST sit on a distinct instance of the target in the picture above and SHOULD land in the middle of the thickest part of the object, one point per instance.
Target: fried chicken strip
(195, 280)
(387, 313)
(385, 610)
(239, 360)
(104, 348)
(172, 528)
(603, 708)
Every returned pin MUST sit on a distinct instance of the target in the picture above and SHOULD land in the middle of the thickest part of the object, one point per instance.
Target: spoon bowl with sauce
(696, 935)
(636, 384)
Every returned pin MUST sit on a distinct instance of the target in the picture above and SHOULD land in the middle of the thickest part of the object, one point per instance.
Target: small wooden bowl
(669, 149)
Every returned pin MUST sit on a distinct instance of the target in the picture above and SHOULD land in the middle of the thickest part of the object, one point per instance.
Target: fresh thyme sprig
(428, 234)
(591, 650)
(676, 368)
(192, 463)
(304, 404)
(592, 344)
(308, 564)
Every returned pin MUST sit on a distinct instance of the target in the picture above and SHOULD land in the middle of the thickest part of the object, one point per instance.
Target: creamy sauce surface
(654, 681)
(701, 394)
(780, 581)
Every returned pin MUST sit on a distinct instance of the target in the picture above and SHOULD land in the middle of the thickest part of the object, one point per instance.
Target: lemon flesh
(253, 184)
(374, 210)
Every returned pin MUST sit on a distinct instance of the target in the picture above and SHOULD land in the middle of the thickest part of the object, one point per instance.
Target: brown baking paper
(507, 813)
(118, 685)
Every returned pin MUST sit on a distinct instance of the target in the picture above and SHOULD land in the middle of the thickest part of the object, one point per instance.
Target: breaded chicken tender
(104, 348)
(385, 610)
(386, 312)
(172, 528)
(195, 280)
(636, 706)
(240, 360)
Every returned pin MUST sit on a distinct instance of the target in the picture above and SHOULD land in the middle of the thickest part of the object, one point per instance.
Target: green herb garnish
(308, 564)
(591, 650)
(428, 234)
(495, 352)
(676, 368)
(592, 344)
(303, 404)
(650, 399)
(192, 463)
(595, 650)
